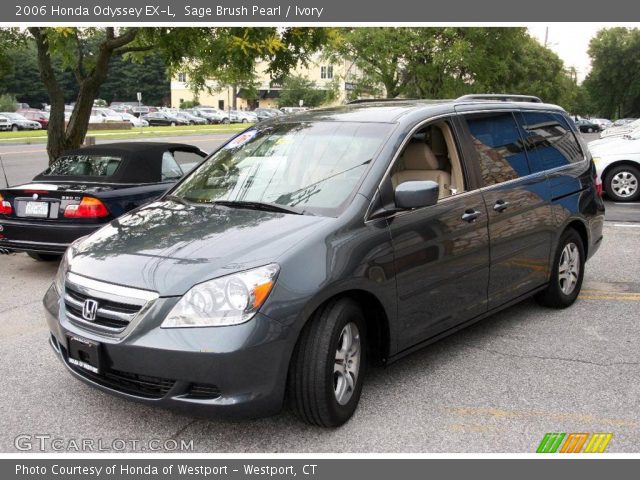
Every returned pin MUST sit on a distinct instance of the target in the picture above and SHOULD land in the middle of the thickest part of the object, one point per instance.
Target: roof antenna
(4, 172)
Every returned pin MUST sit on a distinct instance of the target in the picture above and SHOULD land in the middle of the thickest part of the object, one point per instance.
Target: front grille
(144, 386)
(203, 391)
(117, 307)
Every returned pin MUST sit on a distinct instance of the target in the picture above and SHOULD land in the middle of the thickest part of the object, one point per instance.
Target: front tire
(622, 183)
(328, 364)
(15, 128)
(568, 272)
(44, 257)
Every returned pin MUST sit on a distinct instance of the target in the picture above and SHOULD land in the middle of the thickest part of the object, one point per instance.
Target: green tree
(222, 53)
(296, 88)
(445, 62)
(7, 103)
(614, 80)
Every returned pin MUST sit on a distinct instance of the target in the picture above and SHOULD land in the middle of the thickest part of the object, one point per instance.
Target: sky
(570, 41)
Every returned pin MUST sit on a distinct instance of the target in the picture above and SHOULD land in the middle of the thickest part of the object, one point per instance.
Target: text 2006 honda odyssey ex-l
(314, 244)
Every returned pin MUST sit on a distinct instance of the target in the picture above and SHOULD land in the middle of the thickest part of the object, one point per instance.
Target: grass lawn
(40, 136)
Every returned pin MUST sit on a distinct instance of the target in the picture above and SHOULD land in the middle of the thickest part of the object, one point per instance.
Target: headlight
(228, 300)
(61, 276)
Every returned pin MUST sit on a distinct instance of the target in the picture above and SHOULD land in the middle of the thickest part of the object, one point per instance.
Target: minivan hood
(168, 246)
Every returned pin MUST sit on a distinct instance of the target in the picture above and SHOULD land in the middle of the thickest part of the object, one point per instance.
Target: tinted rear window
(552, 141)
(84, 166)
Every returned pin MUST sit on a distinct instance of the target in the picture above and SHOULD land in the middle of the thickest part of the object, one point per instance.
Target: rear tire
(328, 365)
(567, 274)
(14, 128)
(622, 183)
(44, 257)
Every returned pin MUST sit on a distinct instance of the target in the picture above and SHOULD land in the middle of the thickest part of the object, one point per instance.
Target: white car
(108, 115)
(618, 166)
(134, 121)
(621, 130)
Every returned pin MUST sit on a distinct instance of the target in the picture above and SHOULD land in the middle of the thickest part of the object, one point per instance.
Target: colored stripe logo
(574, 443)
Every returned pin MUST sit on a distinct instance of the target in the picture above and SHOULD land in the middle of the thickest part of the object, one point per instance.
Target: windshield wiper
(254, 205)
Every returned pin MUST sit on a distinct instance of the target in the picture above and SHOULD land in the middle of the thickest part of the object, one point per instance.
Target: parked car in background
(213, 115)
(156, 119)
(602, 122)
(293, 109)
(623, 121)
(133, 120)
(587, 126)
(310, 246)
(109, 115)
(265, 113)
(623, 129)
(37, 116)
(190, 118)
(85, 189)
(19, 122)
(617, 162)
(5, 124)
(241, 116)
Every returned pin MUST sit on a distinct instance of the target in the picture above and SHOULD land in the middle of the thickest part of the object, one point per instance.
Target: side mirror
(416, 194)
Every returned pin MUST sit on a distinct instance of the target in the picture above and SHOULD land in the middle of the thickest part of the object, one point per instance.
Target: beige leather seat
(419, 163)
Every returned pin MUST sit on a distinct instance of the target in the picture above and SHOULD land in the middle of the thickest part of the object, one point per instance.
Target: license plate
(84, 353)
(37, 209)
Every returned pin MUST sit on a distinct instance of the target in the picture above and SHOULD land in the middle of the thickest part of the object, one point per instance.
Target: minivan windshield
(313, 166)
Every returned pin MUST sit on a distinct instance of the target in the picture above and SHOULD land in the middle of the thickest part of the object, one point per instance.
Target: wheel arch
(376, 319)
(580, 227)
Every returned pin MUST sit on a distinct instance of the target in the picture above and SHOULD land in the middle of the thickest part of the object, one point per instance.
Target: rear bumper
(28, 236)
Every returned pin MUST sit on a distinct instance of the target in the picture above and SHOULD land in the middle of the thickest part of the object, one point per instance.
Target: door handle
(500, 206)
(470, 215)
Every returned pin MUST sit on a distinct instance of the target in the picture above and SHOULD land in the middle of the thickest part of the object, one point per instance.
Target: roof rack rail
(503, 97)
(371, 100)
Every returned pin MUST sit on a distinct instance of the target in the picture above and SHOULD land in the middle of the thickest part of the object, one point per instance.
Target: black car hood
(168, 247)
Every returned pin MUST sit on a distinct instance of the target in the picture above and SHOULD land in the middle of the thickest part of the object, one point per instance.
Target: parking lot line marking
(610, 296)
(23, 152)
(626, 225)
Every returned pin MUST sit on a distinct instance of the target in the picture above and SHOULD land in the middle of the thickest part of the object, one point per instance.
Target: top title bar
(314, 11)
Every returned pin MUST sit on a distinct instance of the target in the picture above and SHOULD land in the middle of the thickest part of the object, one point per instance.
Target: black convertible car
(85, 189)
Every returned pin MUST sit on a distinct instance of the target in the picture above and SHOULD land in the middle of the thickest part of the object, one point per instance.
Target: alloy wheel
(624, 184)
(569, 268)
(346, 367)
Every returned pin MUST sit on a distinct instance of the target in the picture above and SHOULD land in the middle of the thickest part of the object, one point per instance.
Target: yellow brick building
(318, 70)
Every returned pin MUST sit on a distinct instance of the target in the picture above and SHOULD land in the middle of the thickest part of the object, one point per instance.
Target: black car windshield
(314, 166)
(84, 166)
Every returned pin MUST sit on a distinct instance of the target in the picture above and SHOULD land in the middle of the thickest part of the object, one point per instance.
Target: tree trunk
(63, 137)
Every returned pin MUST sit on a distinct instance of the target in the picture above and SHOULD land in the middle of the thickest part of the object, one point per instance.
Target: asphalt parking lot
(496, 387)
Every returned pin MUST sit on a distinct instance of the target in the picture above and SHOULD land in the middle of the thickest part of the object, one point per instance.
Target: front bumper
(223, 371)
(29, 236)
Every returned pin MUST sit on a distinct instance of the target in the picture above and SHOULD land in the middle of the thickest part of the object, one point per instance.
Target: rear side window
(84, 166)
(499, 146)
(170, 168)
(552, 142)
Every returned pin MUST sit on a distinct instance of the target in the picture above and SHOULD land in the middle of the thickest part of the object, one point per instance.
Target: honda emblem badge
(89, 310)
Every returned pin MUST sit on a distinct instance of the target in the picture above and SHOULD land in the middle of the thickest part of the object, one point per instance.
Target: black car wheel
(15, 128)
(44, 257)
(244, 120)
(621, 183)
(567, 274)
(589, 130)
(328, 364)
(225, 121)
(173, 124)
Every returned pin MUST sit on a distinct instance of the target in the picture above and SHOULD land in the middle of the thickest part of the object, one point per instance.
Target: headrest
(418, 156)
(438, 143)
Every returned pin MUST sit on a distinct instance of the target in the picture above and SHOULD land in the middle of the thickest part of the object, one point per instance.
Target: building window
(221, 104)
(326, 72)
(182, 77)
